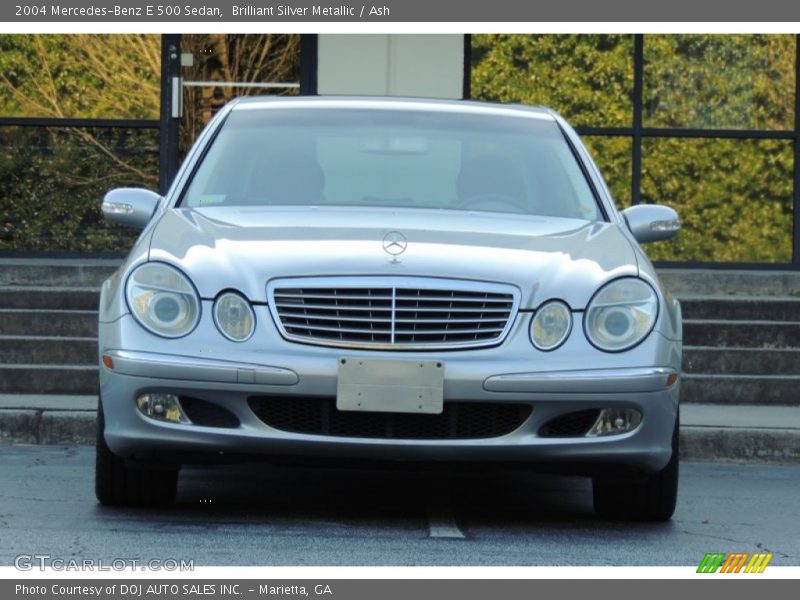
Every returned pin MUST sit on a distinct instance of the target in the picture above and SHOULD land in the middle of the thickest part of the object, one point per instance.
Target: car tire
(118, 484)
(647, 498)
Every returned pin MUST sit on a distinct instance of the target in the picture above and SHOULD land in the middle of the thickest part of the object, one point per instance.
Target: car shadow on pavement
(366, 494)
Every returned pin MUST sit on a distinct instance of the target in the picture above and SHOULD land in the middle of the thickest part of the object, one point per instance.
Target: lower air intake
(575, 424)
(458, 420)
(207, 414)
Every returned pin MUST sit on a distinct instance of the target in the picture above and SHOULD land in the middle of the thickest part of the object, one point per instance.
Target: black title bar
(473, 11)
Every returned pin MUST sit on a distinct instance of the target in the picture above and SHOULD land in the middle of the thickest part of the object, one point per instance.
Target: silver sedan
(390, 280)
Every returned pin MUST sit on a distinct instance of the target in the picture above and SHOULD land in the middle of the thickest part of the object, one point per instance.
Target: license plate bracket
(387, 385)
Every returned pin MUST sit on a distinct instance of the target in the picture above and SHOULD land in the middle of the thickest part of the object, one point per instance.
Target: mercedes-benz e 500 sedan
(390, 279)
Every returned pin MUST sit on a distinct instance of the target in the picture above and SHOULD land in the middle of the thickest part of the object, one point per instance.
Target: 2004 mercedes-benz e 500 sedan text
(395, 279)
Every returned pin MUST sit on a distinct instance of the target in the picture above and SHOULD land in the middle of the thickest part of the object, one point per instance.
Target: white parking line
(442, 523)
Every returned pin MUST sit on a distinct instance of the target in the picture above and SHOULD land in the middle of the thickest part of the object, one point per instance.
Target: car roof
(391, 103)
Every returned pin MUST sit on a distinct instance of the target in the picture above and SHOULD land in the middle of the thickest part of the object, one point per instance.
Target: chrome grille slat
(501, 320)
(318, 317)
(447, 331)
(453, 310)
(294, 305)
(340, 329)
(332, 297)
(393, 313)
(419, 299)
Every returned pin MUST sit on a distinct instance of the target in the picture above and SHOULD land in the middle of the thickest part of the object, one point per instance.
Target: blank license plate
(402, 386)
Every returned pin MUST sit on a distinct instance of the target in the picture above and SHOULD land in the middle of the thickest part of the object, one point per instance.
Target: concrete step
(741, 334)
(56, 272)
(722, 283)
(776, 390)
(69, 323)
(48, 402)
(45, 350)
(749, 308)
(739, 433)
(48, 379)
(52, 298)
(741, 361)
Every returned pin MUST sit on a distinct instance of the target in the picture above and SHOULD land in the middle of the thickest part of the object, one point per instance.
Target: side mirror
(132, 207)
(652, 222)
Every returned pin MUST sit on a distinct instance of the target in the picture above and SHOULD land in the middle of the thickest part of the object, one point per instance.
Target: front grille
(394, 317)
(458, 420)
(575, 424)
(207, 414)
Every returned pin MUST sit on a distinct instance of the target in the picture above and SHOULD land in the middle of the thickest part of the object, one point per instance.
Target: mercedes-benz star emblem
(395, 243)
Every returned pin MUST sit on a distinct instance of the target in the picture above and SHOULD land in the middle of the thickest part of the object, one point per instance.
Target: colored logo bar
(737, 562)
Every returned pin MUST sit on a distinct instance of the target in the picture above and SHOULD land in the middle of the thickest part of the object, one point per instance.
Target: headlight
(163, 300)
(621, 314)
(551, 325)
(234, 316)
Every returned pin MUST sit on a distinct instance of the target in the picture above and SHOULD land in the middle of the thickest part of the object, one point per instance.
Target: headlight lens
(551, 325)
(163, 300)
(621, 314)
(234, 316)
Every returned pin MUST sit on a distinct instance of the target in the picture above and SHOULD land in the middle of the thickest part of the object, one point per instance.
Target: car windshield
(388, 157)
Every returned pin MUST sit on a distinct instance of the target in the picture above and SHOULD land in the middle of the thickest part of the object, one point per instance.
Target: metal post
(467, 87)
(638, 85)
(169, 126)
(309, 64)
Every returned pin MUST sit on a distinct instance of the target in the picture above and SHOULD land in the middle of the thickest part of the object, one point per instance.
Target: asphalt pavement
(267, 515)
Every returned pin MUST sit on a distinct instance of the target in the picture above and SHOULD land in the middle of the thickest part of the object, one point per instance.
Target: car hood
(245, 247)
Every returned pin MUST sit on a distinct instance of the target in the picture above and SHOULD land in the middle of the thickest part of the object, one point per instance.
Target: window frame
(637, 132)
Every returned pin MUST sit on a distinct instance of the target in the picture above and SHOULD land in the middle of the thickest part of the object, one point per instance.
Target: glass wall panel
(734, 198)
(719, 81)
(613, 157)
(265, 64)
(587, 78)
(53, 181)
(80, 76)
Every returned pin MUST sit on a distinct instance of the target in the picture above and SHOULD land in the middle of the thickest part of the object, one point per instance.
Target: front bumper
(230, 384)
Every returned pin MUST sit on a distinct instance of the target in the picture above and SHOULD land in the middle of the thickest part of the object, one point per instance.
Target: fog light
(164, 407)
(613, 421)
